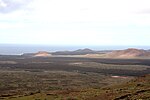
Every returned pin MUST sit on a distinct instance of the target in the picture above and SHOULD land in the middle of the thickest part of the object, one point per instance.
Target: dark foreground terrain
(70, 78)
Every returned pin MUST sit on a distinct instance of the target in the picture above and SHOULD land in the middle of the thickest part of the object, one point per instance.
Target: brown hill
(38, 54)
(129, 53)
(42, 54)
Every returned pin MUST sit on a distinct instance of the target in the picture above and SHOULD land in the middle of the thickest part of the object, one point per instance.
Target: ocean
(15, 49)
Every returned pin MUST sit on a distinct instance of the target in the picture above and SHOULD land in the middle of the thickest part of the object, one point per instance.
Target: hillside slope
(129, 53)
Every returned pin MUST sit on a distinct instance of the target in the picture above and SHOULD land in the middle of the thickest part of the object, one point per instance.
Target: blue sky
(75, 22)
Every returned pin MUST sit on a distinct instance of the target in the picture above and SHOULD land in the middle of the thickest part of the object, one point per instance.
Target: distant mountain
(128, 53)
(76, 52)
(38, 54)
(47, 54)
(86, 50)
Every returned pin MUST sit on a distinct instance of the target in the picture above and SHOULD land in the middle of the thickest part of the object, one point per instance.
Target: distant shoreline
(17, 49)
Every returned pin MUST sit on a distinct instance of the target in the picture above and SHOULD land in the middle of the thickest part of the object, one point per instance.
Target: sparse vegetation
(67, 79)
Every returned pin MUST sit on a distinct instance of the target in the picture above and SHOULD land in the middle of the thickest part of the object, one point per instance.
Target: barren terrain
(66, 78)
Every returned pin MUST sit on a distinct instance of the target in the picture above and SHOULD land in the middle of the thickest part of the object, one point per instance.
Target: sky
(75, 22)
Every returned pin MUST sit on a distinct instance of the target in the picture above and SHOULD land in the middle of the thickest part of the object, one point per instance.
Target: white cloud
(77, 21)
(7, 6)
(2, 4)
